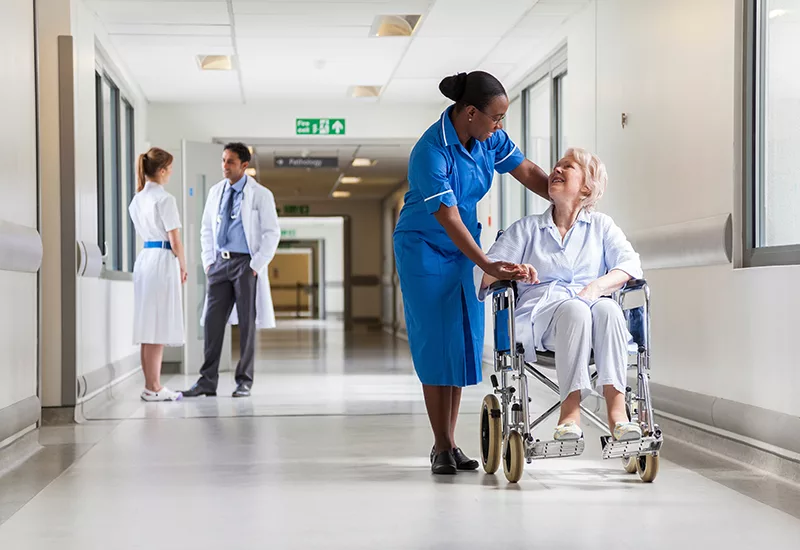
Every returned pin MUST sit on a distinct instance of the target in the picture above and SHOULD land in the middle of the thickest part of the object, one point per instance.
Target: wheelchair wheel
(647, 467)
(629, 464)
(491, 434)
(514, 456)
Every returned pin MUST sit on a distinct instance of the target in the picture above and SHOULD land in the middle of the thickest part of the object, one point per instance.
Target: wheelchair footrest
(556, 449)
(626, 449)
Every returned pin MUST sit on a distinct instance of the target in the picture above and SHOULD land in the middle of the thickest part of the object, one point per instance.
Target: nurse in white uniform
(159, 271)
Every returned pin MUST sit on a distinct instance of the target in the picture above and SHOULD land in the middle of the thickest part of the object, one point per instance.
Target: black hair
(240, 149)
(476, 88)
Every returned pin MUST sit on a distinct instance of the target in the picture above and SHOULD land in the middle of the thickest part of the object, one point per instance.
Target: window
(545, 119)
(115, 174)
(539, 140)
(512, 192)
(772, 133)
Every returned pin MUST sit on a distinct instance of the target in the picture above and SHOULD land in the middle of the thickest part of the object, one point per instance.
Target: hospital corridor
(399, 274)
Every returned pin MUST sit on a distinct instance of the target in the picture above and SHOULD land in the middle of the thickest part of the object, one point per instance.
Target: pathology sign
(306, 162)
(320, 127)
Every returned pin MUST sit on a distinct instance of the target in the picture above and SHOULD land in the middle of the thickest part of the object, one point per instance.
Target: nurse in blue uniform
(437, 244)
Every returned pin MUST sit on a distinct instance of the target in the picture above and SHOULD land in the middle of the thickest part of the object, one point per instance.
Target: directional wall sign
(320, 126)
(306, 162)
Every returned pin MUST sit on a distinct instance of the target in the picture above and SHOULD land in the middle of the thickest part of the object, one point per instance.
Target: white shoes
(165, 394)
(568, 431)
(627, 431)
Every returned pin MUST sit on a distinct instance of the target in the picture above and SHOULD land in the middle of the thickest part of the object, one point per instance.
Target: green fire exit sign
(320, 127)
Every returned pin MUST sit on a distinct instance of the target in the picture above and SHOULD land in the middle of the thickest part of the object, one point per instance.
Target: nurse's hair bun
(453, 87)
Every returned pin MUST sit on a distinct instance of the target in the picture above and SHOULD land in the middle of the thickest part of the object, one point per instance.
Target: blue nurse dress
(444, 319)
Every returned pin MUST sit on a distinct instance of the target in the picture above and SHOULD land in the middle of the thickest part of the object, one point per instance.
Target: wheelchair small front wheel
(491, 434)
(629, 464)
(647, 467)
(514, 456)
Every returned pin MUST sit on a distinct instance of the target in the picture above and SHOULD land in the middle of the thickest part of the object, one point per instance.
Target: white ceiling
(317, 50)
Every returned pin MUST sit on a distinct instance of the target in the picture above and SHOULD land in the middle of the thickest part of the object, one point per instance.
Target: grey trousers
(575, 330)
(229, 282)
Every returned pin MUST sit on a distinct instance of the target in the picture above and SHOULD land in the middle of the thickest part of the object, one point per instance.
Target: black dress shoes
(463, 462)
(242, 390)
(444, 464)
(197, 391)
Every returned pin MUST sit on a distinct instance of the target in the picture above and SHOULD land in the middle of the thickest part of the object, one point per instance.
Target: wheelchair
(505, 423)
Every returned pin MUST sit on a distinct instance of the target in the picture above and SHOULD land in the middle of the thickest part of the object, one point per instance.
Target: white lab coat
(262, 232)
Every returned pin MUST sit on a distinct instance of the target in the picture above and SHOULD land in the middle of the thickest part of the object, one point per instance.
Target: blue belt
(158, 244)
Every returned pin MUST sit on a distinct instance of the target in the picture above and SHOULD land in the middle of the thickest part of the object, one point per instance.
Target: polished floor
(331, 452)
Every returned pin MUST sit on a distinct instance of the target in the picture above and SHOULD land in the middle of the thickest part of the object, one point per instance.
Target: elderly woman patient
(568, 259)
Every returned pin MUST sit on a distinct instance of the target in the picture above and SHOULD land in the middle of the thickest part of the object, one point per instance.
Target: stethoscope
(234, 214)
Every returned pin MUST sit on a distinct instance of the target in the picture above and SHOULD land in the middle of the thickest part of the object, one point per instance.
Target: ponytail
(140, 172)
(150, 164)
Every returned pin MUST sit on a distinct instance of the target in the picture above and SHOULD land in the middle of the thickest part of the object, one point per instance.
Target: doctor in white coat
(239, 237)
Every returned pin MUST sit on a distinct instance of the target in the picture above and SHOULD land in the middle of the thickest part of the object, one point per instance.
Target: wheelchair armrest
(501, 285)
(635, 284)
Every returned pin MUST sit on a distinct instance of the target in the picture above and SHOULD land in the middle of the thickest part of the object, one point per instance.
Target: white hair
(595, 176)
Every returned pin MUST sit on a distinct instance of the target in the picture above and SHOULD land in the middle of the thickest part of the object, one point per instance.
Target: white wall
(18, 186)
(718, 330)
(331, 232)
(104, 307)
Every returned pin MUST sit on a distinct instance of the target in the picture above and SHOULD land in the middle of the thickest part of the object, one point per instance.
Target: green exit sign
(320, 126)
(296, 209)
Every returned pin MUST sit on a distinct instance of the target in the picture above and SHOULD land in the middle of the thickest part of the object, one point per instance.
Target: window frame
(116, 250)
(754, 145)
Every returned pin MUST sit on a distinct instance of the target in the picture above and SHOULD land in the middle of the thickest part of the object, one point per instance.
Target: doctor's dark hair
(150, 164)
(240, 149)
(476, 88)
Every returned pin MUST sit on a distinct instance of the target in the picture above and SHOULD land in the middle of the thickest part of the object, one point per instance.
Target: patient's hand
(530, 275)
(591, 292)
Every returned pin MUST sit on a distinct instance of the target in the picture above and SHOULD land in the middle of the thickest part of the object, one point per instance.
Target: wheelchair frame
(505, 422)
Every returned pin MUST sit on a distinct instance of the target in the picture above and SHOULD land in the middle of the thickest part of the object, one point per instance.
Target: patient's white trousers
(575, 329)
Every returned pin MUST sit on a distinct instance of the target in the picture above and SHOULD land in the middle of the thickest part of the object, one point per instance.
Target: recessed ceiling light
(341, 194)
(251, 172)
(365, 92)
(384, 26)
(350, 179)
(250, 148)
(361, 162)
(777, 13)
(215, 62)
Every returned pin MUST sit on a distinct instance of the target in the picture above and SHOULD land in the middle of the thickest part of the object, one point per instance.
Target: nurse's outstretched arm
(532, 177)
(450, 219)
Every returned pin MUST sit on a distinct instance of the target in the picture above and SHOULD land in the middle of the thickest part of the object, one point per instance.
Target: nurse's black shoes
(444, 464)
(463, 462)
(197, 391)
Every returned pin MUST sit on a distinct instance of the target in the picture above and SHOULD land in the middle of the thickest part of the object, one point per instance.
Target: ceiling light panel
(349, 180)
(363, 162)
(341, 194)
(215, 62)
(394, 26)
